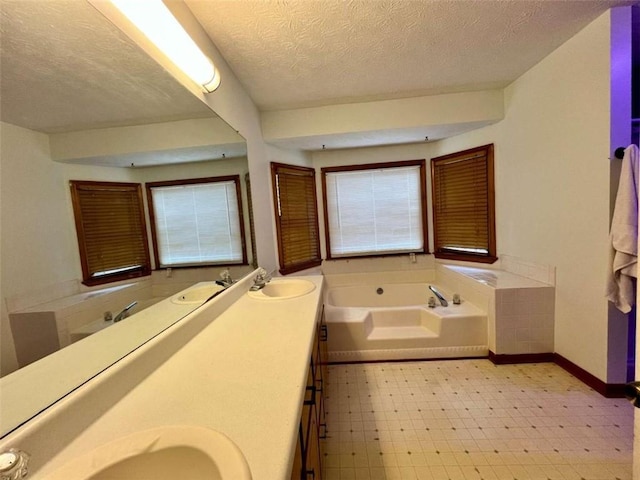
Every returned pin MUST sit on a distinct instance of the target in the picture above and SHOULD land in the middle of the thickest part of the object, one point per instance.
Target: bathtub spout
(443, 301)
(125, 312)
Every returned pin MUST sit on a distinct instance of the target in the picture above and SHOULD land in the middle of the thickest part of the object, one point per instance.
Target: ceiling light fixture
(157, 23)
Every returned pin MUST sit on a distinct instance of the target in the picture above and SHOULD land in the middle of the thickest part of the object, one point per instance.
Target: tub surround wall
(47, 319)
(520, 310)
(524, 268)
(236, 343)
(45, 328)
(402, 264)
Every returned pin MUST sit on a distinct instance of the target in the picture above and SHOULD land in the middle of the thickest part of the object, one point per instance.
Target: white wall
(552, 184)
(39, 246)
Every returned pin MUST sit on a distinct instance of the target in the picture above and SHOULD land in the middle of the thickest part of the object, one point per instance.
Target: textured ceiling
(65, 68)
(298, 53)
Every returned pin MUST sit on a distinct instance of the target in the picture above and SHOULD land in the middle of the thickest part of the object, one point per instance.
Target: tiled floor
(470, 419)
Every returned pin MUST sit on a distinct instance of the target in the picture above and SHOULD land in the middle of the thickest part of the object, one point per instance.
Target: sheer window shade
(111, 231)
(463, 205)
(295, 205)
(373, 210)
(197, 222)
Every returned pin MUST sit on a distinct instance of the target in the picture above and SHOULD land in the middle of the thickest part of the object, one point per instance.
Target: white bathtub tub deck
(393, 322)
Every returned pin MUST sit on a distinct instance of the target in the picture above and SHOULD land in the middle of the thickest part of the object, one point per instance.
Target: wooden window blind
(375, 209)
(112, 234)
(295, 205)
(463, 205)
(197, 222)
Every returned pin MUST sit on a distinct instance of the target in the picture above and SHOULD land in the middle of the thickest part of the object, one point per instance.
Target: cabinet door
(323, 341)
(296, 471)
(323, 360)
(313, 466)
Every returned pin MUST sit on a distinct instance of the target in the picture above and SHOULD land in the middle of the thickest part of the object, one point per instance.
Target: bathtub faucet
(125, 312)
(443, 302)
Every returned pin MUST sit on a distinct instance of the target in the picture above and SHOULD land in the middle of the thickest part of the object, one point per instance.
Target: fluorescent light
(155, 21)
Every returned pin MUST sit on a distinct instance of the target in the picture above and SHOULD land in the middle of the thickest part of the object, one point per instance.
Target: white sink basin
(283, 288)
(196, 294)
(164, 453)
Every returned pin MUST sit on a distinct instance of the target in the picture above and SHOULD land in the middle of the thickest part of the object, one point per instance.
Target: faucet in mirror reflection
(125, 312)
(225, 279)
(261, 279)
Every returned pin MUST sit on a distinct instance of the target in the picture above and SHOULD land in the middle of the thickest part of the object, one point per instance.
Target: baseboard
(400, 360)
(609, 390)
(503, 359)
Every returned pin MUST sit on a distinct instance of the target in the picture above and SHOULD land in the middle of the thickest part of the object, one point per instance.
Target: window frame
(286, 269)
(195, 181)
(439, 252)
(377, 166)
(88, 277)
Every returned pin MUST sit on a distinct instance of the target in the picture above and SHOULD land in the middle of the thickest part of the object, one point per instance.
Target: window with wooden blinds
(197, 222)
(375, 209)
(463, 205)
(112, 234)
(295, 205)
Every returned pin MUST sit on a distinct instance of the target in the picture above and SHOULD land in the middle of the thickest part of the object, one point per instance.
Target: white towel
(624, 235)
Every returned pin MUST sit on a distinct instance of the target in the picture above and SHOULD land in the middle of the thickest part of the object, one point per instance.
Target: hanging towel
(624, 235)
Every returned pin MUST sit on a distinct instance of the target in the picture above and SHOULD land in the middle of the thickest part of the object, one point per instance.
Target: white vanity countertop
(244, 375)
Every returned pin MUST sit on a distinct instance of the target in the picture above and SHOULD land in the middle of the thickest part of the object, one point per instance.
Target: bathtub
(393, 322)
(99, 324)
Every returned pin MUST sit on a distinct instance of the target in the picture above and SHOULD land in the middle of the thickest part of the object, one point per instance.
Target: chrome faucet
(125, 312)
(261, 279)
(225, 279)
(443, 301)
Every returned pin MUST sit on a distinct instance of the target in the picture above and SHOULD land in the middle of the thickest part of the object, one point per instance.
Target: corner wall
(552, 187)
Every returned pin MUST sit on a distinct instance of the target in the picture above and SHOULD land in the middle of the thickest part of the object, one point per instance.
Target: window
(463, 205)
(112, 234)
(295, 206)
(197, 222)
(375, 209)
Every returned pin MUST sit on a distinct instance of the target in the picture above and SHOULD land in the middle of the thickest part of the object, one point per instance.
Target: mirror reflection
(81, 102)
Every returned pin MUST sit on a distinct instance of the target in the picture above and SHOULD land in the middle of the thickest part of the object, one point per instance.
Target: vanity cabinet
(307, 462)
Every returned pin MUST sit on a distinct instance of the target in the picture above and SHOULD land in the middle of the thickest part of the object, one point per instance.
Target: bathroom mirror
(78, 100)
